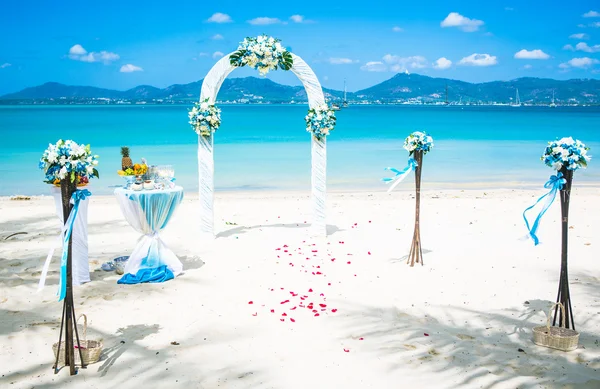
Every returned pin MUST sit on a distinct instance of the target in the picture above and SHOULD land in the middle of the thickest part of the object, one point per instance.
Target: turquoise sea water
(267, 147)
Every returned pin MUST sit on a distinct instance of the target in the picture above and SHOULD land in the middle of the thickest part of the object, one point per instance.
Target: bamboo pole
(416, 253)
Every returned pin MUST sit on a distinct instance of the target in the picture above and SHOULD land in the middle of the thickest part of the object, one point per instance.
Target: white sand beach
(239, 316)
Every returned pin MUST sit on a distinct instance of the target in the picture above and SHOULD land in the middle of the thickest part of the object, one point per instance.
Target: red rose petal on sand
(361, 338)
(291, 309)
(316, 314)
(292, 320)
(329, 283)
(348, 262)
(282, 319)
(426, 334)
(322, 295)
(332, 259)
(322, 305)
(255, 314)
(314, 251)
(284, 301)
(285, 245)
(314, 311)
(334, 310)
(319, 273)
(272, 311)
(369, 252)
(346, 350)
(369, 221)
(250, 302)
(310, 290)
(284, 314)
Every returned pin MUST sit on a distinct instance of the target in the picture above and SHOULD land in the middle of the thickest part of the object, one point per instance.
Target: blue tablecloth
(148, 212)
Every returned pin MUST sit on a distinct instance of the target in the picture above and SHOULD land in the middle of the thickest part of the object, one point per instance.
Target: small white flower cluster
(264, 53)
(418, 141)
(205, 118)
(67, 157)
(320, 121)
(566, 152)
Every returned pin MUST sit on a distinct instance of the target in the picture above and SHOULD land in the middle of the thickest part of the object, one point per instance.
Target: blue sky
(121, 44)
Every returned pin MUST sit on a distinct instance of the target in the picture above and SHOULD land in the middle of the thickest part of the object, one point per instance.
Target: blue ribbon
(400, 175)
(77, 196)
(555, 183)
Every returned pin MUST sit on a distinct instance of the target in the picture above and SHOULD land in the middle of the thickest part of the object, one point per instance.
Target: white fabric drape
(80, 261)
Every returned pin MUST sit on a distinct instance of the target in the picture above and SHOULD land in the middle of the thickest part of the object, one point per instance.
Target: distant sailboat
(345, 102)
(517, 100)
(552, 104)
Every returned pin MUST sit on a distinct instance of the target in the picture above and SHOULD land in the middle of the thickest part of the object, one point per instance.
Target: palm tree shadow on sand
(128, 336)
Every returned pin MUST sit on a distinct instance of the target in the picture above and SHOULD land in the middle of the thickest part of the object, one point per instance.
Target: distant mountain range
(400, 88)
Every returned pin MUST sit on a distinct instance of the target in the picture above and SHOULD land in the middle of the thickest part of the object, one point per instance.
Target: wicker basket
(90, 349)
(559, 338)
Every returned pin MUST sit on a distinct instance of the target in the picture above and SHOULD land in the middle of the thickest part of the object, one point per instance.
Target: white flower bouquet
(205, 118)
(67, 159)
(418, 141)
(566, 152)
(320, 121)
(264, 53)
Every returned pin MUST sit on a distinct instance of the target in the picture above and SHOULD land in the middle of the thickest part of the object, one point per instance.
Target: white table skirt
(81, 266)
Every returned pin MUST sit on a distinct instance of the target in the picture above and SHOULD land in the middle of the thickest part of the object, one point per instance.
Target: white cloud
(454, 19)
(568, 47)
(5, 65)
(262, 21)
(400, 64)
(533, 54)
(78, 53)
(591, 14)
(479, 60)
(579, 36)
(203, 54)
(596, 24)
(129, 68)
(219, 18)
(374, 66)
(297, 18)
(581, 25)
(582, 46)
(341, 61)
(325, 78)
(442, 63)
(217, 54)
(581, 63)
(397, 29)
(527, 66)
(77, 50)
(216, 37)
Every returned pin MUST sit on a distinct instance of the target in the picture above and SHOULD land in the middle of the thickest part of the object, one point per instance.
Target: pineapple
(126, 162)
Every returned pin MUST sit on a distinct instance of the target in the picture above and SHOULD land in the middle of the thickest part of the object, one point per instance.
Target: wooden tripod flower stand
(564, 296)
(67, 188)
(415, 254)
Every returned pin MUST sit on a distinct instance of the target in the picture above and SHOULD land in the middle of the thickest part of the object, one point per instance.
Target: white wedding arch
(210, 88)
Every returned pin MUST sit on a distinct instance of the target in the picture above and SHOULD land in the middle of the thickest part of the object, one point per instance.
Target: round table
(148, 212)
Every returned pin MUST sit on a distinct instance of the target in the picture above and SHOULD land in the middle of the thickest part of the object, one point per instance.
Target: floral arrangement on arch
(566, 152)
(264, 53)
(68, 159)
(418, 141)
(205, 118)
(320, 121)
